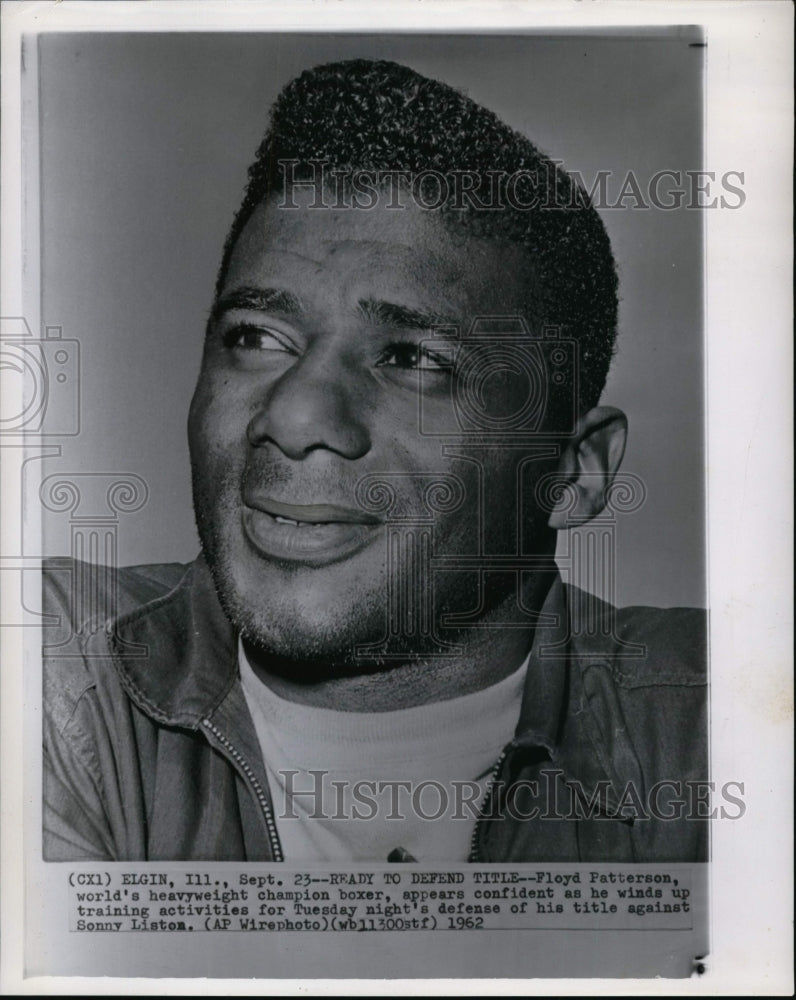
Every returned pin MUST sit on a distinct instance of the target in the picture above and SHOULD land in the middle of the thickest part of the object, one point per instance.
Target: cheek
(216, 421)
(491, 514)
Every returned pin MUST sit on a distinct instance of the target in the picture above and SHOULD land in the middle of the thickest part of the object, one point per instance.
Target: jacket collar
(190, 666)
(189, 663)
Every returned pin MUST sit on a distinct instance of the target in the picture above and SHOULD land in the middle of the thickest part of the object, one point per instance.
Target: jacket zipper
(486, 804)
(262, 798)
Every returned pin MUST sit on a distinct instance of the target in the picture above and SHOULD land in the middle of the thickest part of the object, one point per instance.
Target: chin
(306, 618)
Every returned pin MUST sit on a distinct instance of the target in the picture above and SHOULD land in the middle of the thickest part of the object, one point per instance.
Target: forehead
(393, 252)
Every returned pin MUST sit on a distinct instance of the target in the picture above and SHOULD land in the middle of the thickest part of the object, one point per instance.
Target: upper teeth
(285, 520)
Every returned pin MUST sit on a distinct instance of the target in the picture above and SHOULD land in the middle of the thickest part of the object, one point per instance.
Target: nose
(313, 405)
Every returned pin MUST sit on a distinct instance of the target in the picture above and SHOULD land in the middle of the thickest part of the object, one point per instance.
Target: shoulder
(80, 601)
(87, 591)
(644, 674)
(640, 646)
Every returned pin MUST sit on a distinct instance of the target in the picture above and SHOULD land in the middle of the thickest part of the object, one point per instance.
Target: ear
(588, 465)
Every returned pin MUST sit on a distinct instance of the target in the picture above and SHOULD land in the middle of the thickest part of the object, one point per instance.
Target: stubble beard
(269, 623)
(307, 645)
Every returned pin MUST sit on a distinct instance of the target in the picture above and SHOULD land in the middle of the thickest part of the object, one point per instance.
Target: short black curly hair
(377, 116)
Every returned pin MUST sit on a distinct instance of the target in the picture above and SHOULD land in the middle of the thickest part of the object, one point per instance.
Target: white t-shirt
(354, 786)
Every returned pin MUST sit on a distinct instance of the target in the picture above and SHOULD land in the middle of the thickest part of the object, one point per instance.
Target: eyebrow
(260, 299)
(376, 310)
(403, 317)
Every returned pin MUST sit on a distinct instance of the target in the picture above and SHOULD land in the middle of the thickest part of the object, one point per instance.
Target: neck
(490, 654)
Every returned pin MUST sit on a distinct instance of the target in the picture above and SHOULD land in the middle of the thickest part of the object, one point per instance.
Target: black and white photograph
(363, 453)
(399, 407)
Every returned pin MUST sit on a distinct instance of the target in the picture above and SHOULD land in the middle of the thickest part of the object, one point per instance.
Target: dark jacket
(150, 752)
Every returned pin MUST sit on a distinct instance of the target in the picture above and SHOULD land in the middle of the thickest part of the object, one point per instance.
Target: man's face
(312, 379)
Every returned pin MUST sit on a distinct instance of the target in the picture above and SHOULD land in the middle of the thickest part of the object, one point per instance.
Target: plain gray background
(144, 144)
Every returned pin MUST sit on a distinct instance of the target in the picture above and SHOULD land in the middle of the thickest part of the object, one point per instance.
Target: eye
(249, 337)
(414, 357)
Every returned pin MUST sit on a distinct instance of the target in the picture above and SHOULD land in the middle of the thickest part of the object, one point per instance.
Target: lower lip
(309, 544)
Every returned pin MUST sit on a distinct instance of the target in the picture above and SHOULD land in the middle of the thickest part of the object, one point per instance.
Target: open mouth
(315, 534)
